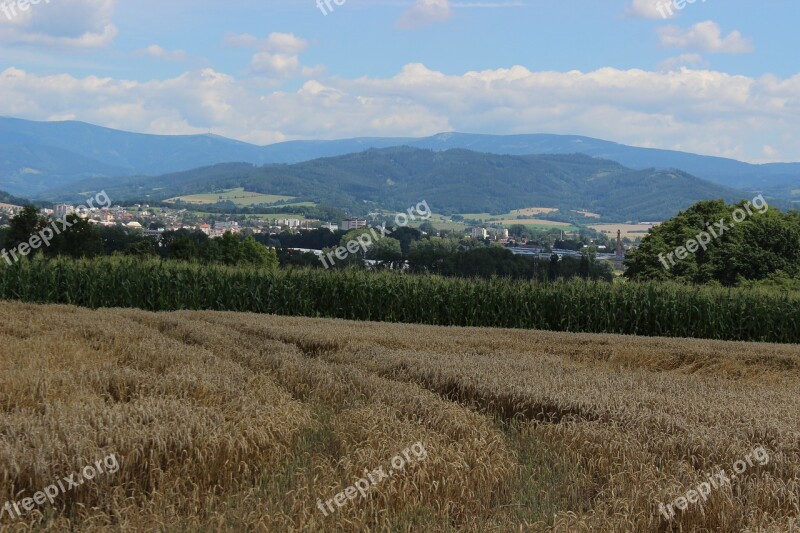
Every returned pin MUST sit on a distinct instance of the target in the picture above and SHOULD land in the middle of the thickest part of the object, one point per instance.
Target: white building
(330, 227)
(289, 222)
(231, 226)
(479, 233)
(500, 233)
(62, 210)
(353, 223)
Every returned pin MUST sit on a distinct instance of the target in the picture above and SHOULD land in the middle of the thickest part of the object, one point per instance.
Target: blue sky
(718, 77)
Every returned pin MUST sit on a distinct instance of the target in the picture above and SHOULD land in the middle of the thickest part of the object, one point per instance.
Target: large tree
(78, 238)
(706, 243)
(23, 226)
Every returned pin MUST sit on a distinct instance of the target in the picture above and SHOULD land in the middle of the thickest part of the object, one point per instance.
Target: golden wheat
(233, 422)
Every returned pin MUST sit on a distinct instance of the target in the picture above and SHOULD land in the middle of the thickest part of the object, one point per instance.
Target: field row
(651, 309)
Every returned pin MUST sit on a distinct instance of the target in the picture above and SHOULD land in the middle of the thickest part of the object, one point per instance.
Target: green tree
(184, 245)
(23, 226)
(584, 268)
(79, 239)
(553, 268)
(427, 227)
(386, 250)
(430, 255)
(140, 248)
(256, 254)
(763, 242)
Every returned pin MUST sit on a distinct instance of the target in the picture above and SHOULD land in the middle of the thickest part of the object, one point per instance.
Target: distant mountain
(39, 156)
(6, 198)
(453, 181)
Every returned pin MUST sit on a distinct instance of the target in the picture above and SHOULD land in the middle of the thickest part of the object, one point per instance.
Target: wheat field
(243, 422)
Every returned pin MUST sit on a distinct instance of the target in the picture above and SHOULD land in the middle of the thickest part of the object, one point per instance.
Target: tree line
(86, 240)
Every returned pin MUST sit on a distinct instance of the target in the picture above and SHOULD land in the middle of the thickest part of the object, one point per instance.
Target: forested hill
(6, 198)
(455, 181)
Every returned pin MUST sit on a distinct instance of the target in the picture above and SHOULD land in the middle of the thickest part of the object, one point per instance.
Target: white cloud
(286, 43)
(705, 37)
(158, 52)
(651, 9)
(278, 55)
(486, 5)
(424, 13)
(682, 61)
(770, 152)
(244, 40)
(694, 110)
(427, 12)
(61, 23)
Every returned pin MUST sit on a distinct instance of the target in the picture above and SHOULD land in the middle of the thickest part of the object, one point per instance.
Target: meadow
(629, 231)
(651, 309)
(242, 422)
(525, 217)
(238, 196)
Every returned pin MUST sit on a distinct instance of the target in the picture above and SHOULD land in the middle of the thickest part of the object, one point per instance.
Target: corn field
(649, 309)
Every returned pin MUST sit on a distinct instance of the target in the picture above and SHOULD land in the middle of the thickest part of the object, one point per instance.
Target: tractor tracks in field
(506, 406)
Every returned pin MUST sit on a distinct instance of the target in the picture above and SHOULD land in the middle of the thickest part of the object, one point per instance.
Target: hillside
(38, 156)
(6, 198)
(454, 181)
(237, 422)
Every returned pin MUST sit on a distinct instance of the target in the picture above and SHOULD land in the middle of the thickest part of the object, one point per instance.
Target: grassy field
(267, 216)
(239, 196)
(241, 422)
(528, 212)
(630, 231)
(537, 222)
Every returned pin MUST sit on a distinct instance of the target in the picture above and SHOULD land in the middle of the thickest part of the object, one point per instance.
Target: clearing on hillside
(238, 196)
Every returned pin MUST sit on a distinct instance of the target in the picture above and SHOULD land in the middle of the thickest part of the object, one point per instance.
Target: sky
(716, 77)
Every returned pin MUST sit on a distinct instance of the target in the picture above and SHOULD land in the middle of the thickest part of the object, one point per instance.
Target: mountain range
(452, 181)
(37, 157)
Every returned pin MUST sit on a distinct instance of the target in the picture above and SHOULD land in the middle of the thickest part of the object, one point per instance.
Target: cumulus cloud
(424, 13)
(158, 52)
(651, 9)
(705, 37)
(770, 152)
(486, 5)
(694, 110)
(682, 61)
(62, 23)
(277, 56)
(427, 12)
